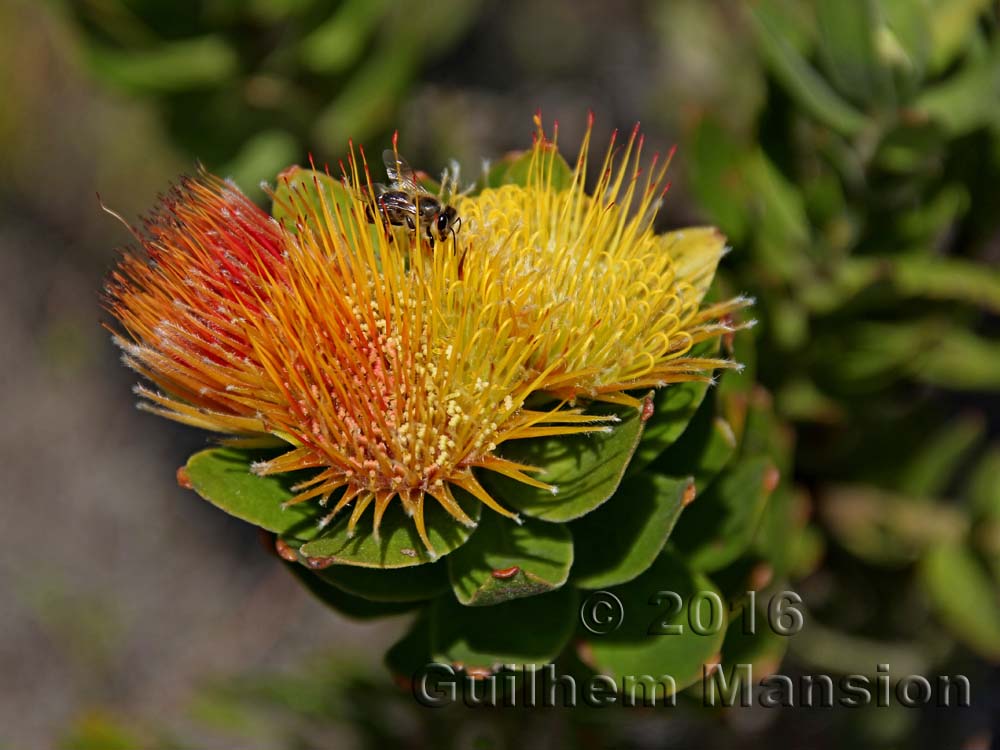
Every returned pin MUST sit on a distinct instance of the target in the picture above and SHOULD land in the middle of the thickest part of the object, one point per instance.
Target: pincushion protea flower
(186, 305)
(617, 307)
(385, 372)
(391, 369)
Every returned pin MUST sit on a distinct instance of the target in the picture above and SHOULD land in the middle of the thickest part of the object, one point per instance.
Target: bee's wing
(399, 171)
(395, 200)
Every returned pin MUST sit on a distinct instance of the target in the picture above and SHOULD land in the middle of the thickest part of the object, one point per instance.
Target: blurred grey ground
(121, 592)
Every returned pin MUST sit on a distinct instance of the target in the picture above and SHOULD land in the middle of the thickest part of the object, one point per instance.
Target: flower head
(398, 376)
(617, 306)
(379, 368)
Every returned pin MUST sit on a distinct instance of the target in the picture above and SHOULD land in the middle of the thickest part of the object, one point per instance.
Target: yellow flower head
(617, 307)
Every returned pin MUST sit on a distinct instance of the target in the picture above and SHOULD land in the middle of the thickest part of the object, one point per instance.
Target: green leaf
(799, 78)
(171, 67)
(337, 43)
(673, 408)
(736, 388)
(952, 25)
(931, 351)
(260, 157)
(883, 528)
(801, 400)
(984, 485)
(223, 477)
(347, 604)
(521, 631)
(764, 434)
(704, 449)
(660, 635)
(930, 468)
(412, 584)
(720, 524)
(983, 493)
(967, 100)
(398, 545)
(783, 230)
(906, 39)
(716, 176)
(926, 225)
(807, 550)
(368, 99)
(922, 276)
(304, 194)
(504, 560)
(622, 538)
(955, 358)
(825, 649)
(847, 42)
(964, 596)
(586, 469)
(763, 648)
(411, 653)
(494, 176)
(780, 530)
(550, 163)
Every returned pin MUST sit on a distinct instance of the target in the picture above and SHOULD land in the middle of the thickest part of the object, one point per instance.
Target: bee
(404, 203)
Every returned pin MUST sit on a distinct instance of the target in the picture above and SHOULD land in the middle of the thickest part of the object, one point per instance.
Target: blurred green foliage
(861, 192)
(248, 87)
(861, 189)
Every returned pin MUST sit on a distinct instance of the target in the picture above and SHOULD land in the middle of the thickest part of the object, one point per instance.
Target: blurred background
(851, 152)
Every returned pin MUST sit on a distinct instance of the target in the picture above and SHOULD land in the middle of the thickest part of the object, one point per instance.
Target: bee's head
(444, 220)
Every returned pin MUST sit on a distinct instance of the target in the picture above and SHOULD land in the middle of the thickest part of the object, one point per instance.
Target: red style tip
(506, 573)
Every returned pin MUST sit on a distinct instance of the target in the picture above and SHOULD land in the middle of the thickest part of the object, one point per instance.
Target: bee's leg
(387, 227)
(461, 260)
(409, 223)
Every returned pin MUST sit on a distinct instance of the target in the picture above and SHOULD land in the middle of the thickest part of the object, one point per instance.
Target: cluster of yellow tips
(617, 307)
(391, 369)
